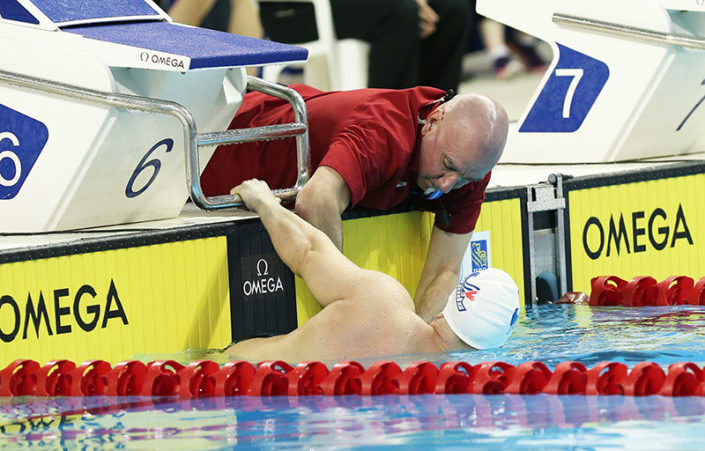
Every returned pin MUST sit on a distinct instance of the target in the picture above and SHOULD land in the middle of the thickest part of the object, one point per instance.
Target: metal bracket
(547, 197)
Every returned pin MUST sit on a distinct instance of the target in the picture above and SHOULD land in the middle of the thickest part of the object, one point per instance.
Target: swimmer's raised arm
(308, 252)
(366, 313)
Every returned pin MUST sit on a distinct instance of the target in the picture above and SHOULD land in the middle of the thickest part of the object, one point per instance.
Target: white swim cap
(484, 308)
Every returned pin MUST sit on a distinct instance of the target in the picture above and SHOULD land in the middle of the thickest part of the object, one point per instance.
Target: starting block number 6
(154, 163)
(12, 156)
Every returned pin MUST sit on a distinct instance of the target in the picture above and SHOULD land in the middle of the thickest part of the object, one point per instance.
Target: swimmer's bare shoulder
(375, 318)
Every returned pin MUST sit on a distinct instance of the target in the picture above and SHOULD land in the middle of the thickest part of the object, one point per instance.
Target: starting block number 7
(568, 95)
(577, 74)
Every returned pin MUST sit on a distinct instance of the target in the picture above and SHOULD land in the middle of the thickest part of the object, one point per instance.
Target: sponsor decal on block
(477, 256)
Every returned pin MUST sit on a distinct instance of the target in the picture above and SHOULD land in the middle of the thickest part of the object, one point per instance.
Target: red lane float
(646, 291)
(205, 378)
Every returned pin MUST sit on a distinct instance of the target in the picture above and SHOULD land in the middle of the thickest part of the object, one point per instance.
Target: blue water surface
(549, 333)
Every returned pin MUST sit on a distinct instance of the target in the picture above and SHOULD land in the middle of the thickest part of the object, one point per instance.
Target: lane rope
(646, 291)
(205, 378)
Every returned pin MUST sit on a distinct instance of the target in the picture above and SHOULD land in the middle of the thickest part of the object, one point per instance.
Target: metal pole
(639, 34)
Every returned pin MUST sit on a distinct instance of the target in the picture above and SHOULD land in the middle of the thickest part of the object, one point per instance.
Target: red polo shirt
(369, 136)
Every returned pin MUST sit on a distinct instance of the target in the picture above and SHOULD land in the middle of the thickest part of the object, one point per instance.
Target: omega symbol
(262, 263)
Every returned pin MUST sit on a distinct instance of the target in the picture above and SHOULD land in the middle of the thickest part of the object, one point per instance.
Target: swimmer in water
(367, 313)
(377, 148)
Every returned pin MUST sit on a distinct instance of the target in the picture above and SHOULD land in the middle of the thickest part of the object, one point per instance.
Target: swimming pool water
(548, 333)
(555, 333)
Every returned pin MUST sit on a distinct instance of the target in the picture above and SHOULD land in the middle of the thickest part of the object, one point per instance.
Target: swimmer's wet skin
(368, 313)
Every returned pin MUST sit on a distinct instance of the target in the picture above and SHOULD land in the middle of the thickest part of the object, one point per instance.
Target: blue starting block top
(71, 11)
(75, 10)
(138, 23)
(206, 48)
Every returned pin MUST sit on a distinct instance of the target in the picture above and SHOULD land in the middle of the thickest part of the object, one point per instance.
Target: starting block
(101, 105)
(627, 80)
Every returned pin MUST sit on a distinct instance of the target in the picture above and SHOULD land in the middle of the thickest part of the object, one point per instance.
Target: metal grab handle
(238, 136)
(244, 135)
(192, 140)
(298, 129)
(640, 34)
(285, 194)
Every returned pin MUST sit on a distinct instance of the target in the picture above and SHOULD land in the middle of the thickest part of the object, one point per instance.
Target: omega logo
(163, 60)
(263, 284)
(262, 263)
(659, 231)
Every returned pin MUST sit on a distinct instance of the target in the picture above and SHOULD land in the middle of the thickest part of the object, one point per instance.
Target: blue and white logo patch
(568, 95)
(479, 255)
(22, 139)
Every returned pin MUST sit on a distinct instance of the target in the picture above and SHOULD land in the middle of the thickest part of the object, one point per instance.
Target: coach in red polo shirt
(376, 148)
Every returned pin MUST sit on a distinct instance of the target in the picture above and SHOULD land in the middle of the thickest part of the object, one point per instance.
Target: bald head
(461, 142)
(476, 124)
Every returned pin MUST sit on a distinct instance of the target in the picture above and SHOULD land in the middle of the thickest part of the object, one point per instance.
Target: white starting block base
(626, 81)
(102, 105)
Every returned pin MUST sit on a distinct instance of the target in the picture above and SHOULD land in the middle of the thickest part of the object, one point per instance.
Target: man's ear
(432, 120)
